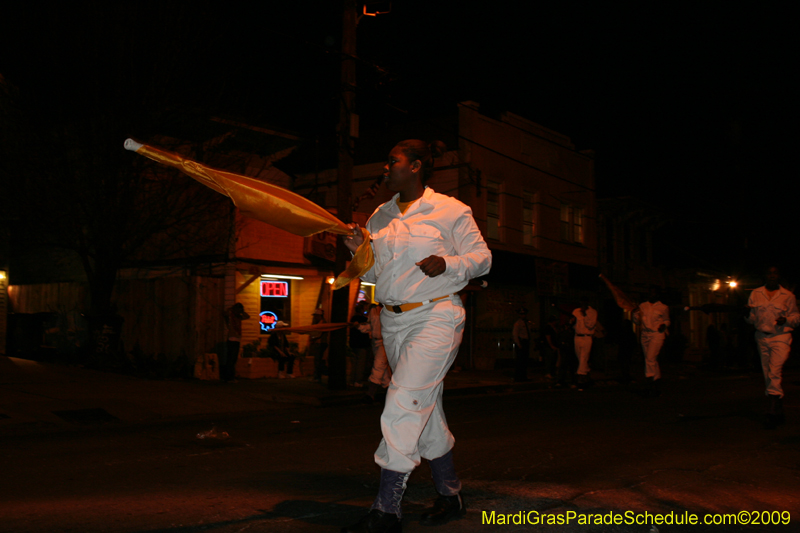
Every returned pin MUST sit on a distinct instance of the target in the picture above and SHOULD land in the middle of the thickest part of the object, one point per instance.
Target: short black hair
(425, 153)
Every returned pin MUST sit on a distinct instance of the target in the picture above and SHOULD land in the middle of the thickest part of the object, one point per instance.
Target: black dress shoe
(445, 508)
(376, 522)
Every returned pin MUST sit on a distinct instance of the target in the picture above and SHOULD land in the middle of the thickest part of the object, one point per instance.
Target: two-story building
(532, 194)
(530, 189)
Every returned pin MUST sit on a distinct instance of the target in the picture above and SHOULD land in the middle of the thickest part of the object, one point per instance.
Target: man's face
(773, 276)
(399, 171)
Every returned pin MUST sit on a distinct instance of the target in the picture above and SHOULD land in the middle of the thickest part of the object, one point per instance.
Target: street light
(375, 8)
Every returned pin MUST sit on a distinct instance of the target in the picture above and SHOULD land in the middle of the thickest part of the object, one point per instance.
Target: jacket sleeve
(371, 275)
(792, 315)
(590, 321)
(473, 258)
(751, 316)
(665, 315)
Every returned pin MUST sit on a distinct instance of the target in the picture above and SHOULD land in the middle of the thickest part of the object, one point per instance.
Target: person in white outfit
(522, 345)
(773, 312)
(653, 318)
(426, 248)
(584, 320)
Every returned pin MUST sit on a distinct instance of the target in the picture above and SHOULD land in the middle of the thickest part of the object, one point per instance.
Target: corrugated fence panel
(170, 315)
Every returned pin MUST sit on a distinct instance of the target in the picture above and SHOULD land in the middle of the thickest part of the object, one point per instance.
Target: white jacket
(434, 224)
(652, 315)
(585, 323)
(764, 312)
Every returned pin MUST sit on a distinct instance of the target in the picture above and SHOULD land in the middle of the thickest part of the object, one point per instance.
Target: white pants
(421, 345)
(583, 348)
(774, 351)
(652, 341)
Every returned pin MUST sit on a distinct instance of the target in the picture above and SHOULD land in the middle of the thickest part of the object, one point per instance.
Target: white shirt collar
(392, 204)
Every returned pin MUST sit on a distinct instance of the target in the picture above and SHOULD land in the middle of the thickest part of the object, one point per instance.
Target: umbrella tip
(132, 145)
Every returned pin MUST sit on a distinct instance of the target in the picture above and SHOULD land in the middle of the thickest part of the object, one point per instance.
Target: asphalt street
(524, 454)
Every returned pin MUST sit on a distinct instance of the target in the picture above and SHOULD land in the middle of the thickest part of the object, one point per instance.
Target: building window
(565, 217)
(577, 224)
(493, 210)
(275, 303)
(571, 223)
(528, 222)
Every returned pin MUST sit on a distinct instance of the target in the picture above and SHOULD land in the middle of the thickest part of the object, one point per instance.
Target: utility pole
(337, 355)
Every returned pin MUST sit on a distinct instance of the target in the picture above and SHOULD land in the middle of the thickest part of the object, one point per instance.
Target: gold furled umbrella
(314, 328)
(255, 199)
(268, 203)
(622, 299)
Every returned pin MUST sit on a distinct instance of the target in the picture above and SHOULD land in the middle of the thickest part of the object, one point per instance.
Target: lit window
(577, 224)
(275, 302)
(571, 223)
(566, 212)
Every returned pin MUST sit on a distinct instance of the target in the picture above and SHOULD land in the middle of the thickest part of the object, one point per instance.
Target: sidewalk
(37, 396)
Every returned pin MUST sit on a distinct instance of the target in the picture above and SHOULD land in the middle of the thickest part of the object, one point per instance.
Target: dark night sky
(686, 108)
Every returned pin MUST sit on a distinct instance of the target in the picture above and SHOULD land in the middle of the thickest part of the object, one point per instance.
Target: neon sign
(274, 289)
(268, 319)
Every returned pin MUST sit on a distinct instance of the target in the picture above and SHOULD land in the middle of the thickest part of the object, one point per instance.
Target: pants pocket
(413, 400)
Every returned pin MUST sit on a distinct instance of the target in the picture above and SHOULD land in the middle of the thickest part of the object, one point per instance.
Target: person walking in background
(597, 355)
(522, 345)
(280, 346)
(773, 312)
(318, 343)
(584, 319)
(360, 345)
(653, 317)
(550, 347)
(426, 248)
(381, 374)
(234, 318)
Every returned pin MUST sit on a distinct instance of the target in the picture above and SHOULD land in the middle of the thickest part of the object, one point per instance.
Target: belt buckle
(396, 309)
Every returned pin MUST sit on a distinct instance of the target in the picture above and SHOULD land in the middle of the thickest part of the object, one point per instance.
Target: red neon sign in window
(274, 289)
(268, 320)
